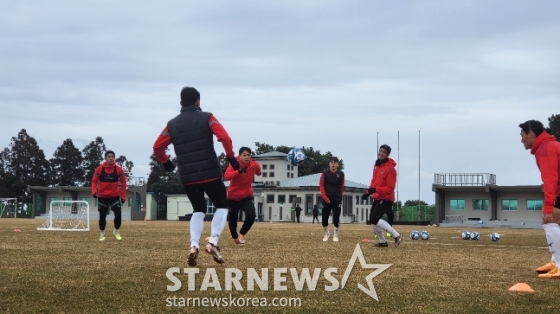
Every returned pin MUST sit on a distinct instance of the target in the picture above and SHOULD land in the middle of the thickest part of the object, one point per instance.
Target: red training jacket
(240, 185)
(384, 181)
(547, 153)
(108, 189)
(217, 129)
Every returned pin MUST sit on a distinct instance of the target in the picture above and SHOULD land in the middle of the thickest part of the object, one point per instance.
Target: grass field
(71, 272)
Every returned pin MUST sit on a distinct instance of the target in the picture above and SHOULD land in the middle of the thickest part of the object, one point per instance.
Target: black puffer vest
(193, 142)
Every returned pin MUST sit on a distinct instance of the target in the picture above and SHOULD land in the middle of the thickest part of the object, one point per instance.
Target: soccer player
(332, 189)
(110, 196)
(240, 194)
(547, 154)
(382, 187)
(315, 213)
(191, 133)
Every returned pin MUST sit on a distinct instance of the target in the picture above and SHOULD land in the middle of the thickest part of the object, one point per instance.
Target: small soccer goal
(67, 216)
(8, 207)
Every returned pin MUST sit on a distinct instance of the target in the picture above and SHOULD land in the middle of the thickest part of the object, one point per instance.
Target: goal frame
(50, 218)
(6, 199)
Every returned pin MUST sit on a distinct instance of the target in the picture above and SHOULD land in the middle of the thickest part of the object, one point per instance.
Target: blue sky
(325, 74)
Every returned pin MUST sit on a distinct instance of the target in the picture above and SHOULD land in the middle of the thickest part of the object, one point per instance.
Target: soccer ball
(425, 235)
(466, 235)
(474, 235)
(495, 236)
(414, 235)
(296, 156)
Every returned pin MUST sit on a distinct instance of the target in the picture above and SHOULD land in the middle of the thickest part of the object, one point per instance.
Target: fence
(422, 213)
(21, 210)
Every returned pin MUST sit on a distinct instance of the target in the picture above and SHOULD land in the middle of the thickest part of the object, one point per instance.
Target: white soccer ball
(296, 156)
(415, 235)
(475, 236)
(495, 236)
(425, 235)
(466, 235)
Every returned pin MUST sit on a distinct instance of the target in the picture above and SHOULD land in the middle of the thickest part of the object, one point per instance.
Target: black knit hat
(387, 148)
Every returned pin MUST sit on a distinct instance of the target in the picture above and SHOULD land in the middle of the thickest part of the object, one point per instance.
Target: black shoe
(381, 244)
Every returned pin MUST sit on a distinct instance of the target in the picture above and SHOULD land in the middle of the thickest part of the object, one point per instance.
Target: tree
(161, 182)
(125, 165)
(316, 162)
(27, 163)
(554, 126)
(66, 165)
(92, 157)
(414, 203)
(7, 180)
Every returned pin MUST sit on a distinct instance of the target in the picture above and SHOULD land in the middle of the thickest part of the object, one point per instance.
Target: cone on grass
(17, 230)
(365, 240)
(521, 287)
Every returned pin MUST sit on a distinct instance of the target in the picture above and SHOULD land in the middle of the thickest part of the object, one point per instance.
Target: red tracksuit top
(240, 186)
(105, 182)
(384, 181)
(547, 153)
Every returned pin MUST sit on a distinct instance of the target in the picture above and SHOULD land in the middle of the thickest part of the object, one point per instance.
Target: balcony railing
(135, 181)
(464, 179)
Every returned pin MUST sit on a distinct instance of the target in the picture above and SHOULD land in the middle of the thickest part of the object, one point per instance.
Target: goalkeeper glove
(242, 170)
(169, 166)
(233, 162)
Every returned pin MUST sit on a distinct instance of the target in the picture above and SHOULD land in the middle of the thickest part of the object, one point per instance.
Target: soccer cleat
(117, 235)
(193, 255)
(398, 240)
(381, 244)
(215, 252)
(546, 268)
(101, 238)
(239, 242)
(242, 239)
(326, 236)
(553, 274)
(335, 239)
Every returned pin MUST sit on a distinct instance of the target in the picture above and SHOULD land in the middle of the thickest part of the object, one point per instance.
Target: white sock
(197, 224)
(553, 239)
(326, 229)
(102, 233)
(336, 231)
(387, 227)
(116, 231)
(218, 223)
(380, 233)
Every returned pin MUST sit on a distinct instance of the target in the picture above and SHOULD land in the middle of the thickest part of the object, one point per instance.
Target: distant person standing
(547, 154)
(240, 194)
(315, 213)
(332, 190)
(192, 135)
(105, 187)
(298, 212)
(382, 188)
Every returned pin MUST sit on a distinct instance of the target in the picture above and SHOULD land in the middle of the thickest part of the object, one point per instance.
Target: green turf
(71, 272)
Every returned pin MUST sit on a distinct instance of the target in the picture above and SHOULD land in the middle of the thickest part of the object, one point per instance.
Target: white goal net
(8, 207)
(67, 216)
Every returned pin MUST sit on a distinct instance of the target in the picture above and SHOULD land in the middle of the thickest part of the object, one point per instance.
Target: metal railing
(135, 181)
(464, 179)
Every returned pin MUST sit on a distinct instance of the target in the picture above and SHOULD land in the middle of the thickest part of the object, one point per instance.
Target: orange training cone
(365, 240)
(521, 287)
(17, 230)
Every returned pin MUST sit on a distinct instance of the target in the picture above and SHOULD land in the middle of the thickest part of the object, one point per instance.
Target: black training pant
(235, 207)
(104, 205)
(334, 206)
(380, 208)
(216, 191)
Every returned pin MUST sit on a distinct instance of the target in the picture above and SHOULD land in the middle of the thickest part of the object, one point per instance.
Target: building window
(67, 199)
(288, 175)
(319, 202)
(291, 198)
(85, 199)
(282, 199)
(291, 167)
(129, 201)
(265, 167)
(264, 174)
(358, 200)
(292, 176)
(288, 167)
(534, 205)
(210, 208)
(480, 204)
(271, 175)
(270, 198)
(457, 204)
(509, 204)
(271, 167)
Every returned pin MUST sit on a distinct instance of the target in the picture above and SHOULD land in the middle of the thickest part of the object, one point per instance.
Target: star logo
(358, 255)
